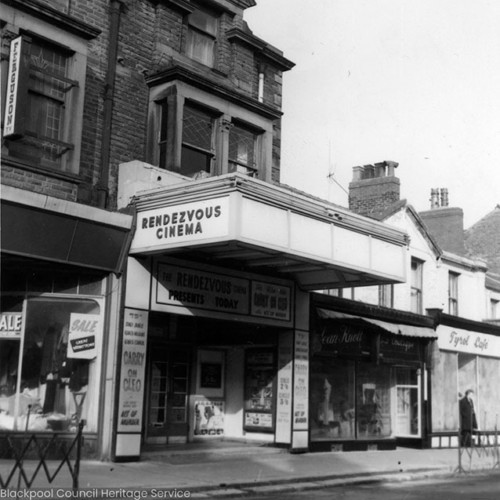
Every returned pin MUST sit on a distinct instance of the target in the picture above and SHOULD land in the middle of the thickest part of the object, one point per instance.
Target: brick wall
(371, 197)
(150, 37)
(446, 224)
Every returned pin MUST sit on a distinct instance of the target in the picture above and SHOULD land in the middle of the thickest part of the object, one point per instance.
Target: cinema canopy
(236, 221)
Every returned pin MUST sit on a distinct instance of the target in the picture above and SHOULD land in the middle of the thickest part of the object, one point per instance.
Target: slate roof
(482, 240)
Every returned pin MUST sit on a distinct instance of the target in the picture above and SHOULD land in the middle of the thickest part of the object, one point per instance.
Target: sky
(412, 81)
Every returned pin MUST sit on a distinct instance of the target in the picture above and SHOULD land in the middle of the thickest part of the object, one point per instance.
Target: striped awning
(394, 328)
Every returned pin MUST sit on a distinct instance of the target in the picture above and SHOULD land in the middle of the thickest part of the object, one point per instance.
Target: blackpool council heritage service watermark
(94, 494)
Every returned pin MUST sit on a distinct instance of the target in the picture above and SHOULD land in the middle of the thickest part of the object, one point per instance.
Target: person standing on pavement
(468, 422)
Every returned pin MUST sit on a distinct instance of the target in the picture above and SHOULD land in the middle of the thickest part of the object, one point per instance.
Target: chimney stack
(445, 223)
(373, 188)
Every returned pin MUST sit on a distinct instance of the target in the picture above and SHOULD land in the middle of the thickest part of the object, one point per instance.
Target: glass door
(167, 394)
(408, 414)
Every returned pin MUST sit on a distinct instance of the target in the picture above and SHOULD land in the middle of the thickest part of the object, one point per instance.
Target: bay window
(198, 140)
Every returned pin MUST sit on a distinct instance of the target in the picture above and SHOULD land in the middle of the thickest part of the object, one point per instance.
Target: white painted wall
(473, 297)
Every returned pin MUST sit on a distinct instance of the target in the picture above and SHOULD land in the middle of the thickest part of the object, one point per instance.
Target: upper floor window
(453, 293)
(44, 135)
(202, 37)
(494, 309)
(416, 285)
(197, 141)
(242, 149)
(386, 295)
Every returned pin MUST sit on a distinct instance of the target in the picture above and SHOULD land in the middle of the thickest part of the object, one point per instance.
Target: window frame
(453, 278)
(233, 164)
(208, 153)
(416, 285)
(494, 307)
(386, 295)
(195, 31)
(68, 143)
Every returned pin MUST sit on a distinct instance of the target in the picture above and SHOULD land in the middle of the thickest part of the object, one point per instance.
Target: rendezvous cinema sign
(181, 224)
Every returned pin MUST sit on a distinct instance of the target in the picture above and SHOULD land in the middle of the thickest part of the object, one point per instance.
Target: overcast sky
(412, 81)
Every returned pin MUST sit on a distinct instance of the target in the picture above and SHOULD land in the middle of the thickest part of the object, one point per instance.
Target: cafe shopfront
(368, 376)
(465, 356)
(215, 339)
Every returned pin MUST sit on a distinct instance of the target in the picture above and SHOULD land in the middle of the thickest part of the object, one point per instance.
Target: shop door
(166, 404)
(407, 403)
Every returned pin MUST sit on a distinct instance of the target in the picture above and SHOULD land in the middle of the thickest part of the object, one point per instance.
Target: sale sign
(84, 335)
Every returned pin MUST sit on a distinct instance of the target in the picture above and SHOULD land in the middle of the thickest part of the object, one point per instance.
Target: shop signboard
(10, 325)
(84, 335)
(342, 338)
(301, 382)
(181, 224)
(132, 374)
(459, 340)
(400, 347)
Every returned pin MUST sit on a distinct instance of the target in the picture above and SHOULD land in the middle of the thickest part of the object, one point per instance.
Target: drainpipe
(102, 186)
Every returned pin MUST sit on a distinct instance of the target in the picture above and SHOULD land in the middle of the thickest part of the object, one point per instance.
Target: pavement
(235, 469)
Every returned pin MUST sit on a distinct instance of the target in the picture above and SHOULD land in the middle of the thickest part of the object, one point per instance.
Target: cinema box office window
(50, 352)
(366, 383)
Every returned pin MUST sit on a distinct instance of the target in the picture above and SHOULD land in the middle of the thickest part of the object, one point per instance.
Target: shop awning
(244, 223)
(394, 328)
(45, 228)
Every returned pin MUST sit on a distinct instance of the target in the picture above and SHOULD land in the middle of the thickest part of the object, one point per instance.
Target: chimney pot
(357, 173)
(444, 197)
(434, 199)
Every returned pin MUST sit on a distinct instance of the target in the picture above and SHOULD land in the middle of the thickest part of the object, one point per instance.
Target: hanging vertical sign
(301, 382)
(132, 377)
(17, 79)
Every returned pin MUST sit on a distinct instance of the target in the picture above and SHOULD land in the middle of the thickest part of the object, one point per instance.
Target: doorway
(167, 394)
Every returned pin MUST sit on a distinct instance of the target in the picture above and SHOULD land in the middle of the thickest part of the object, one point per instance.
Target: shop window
(386, 295)
(49, 373)
(202, 37)
(453, 293)
(416, 285)
(333, 400)
(48, 100)
(374, 401)
(242, 150)
(467, 373)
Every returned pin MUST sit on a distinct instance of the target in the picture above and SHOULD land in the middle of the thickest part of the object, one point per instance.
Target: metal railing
(27, 450)
(482, 452)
